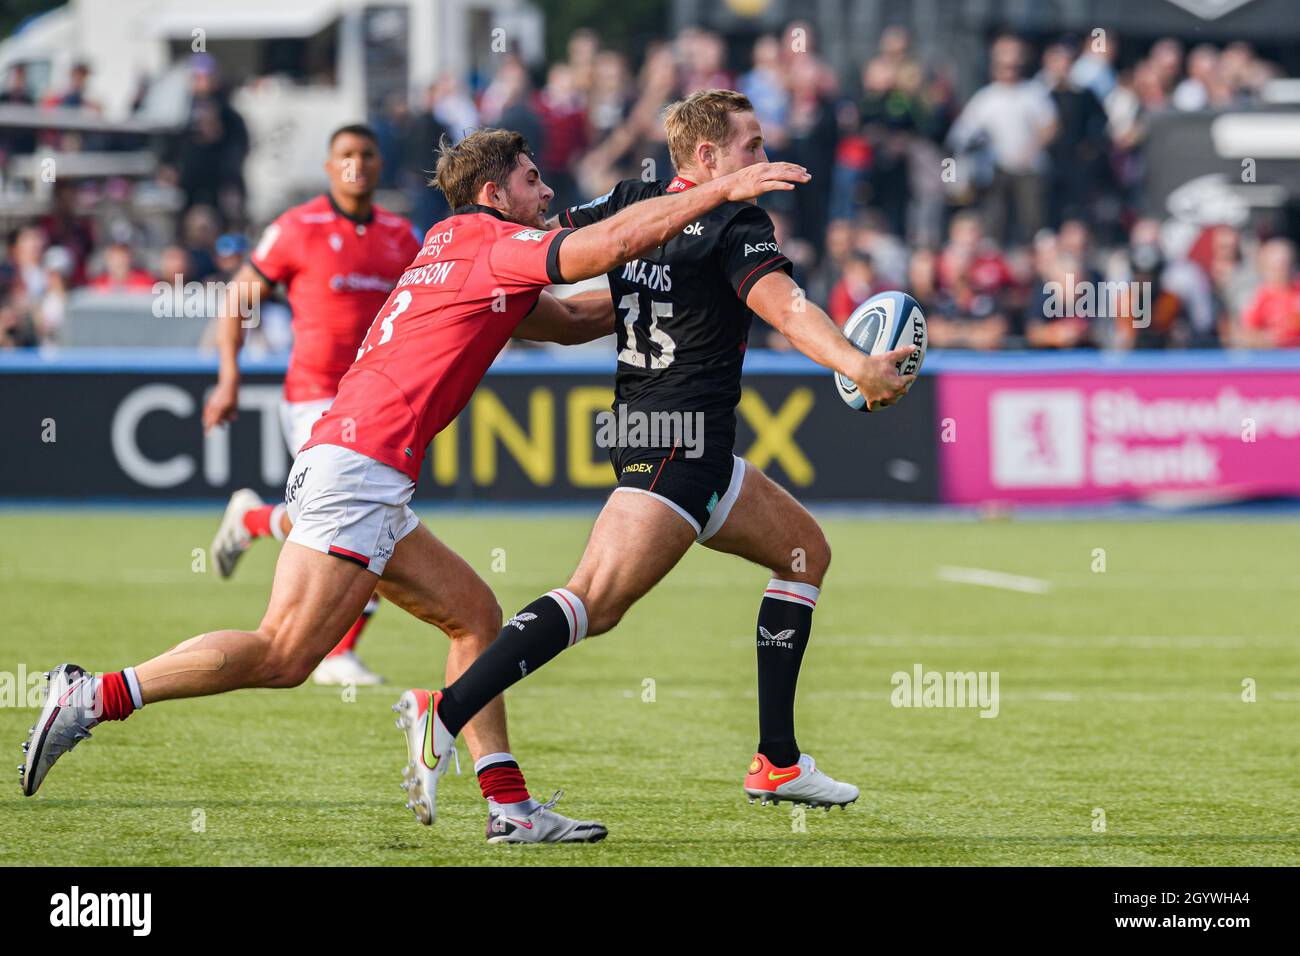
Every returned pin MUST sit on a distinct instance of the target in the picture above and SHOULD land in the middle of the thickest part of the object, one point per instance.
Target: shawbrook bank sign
(1061, 438)
(530, 437)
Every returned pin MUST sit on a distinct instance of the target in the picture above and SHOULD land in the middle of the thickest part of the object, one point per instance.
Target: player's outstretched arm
(569, 321)
(783, 305)
(645, 225)
(223, 404)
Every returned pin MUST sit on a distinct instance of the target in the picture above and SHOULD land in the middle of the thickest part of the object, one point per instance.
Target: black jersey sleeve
(749, 251)
(623, 194)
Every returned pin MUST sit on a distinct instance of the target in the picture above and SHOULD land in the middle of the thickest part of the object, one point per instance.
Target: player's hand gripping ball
(881, 324)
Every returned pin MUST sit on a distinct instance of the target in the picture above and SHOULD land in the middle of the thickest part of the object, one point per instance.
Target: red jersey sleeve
(525, 258)
(275, 257)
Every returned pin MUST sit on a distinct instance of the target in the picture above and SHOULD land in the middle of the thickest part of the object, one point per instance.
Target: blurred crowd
(1013, 214)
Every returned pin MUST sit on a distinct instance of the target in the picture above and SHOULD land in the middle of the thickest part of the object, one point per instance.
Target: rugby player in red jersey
(338, 256)
(478, 280)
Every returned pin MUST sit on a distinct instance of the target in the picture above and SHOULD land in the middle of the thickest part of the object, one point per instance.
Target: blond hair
(701, 117)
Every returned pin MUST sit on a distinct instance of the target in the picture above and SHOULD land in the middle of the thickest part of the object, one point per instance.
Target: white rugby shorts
(345, 504)
(297, 418)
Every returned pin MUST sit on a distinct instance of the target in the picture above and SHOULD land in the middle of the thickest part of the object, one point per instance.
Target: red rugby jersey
(338, 271)
(453, 310)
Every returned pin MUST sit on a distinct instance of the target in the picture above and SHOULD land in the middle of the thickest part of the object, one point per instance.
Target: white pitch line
(993, 579)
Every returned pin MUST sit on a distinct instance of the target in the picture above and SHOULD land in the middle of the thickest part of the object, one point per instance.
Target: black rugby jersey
(680, 314)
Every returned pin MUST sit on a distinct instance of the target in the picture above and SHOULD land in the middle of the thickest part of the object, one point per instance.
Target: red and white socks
(500, 779)
(266, 521)
(117, 695)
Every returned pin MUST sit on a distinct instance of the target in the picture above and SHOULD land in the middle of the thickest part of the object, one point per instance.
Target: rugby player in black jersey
(682, 319)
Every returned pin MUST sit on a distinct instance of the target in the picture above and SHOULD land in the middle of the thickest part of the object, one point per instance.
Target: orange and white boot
(428, 747)
(801, 782)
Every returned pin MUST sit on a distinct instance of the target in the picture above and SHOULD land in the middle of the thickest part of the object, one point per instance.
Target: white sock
(133, 685)
(277, 513)
(489, 760)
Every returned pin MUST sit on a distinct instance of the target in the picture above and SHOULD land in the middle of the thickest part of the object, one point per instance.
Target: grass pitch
(1121, 702)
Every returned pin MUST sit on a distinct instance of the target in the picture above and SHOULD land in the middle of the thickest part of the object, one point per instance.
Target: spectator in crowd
(199, 231)
(962, 314)
(890, 113)
(764, 84)
(813, 133)
(856, 285)
(923, 279)
(702, 55)
(610, 96)
(1272, 317)
(971, 253)
(562, 109)
(121, 274)
(872, 236)
(584, 52)
(1148, 314)
(1017, 119)
(453, 108)
(1218, 253)
(232, 250)
(637, 147)
(207, 159)
(67, 226)
(35, 289)
(1077, 154)
(1057, 316)
(392, 128)
(1193, 93)
(1094, 67)
(174, 265)
(419, 156)
(16, 141)
(75, 96)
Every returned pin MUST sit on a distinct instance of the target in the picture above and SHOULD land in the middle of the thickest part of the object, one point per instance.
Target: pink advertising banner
(1096, 436)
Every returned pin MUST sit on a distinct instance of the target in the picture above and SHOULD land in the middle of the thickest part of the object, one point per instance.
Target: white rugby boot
(533, 822)
(69, 713)
(346, 668)
(428, 749)
(801, 782)
(232, 538)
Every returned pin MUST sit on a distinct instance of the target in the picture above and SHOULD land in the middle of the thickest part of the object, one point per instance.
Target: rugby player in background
(684, 311)
(338, 256)
(477, 281)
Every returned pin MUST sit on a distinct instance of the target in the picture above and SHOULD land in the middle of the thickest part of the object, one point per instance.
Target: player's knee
(281, 661)
(603, 619)
(604, 609)
(823, 558)
(810, 559)
(281, 664)
(481, 625)
(292, 673)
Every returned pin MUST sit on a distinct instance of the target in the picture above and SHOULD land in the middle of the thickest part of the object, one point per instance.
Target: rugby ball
(881, 324)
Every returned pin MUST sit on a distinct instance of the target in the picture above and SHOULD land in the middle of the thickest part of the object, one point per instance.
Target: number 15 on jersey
(629, 352)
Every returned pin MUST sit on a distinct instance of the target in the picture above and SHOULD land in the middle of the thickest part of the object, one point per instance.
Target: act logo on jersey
(530, 235)
(761, 247)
